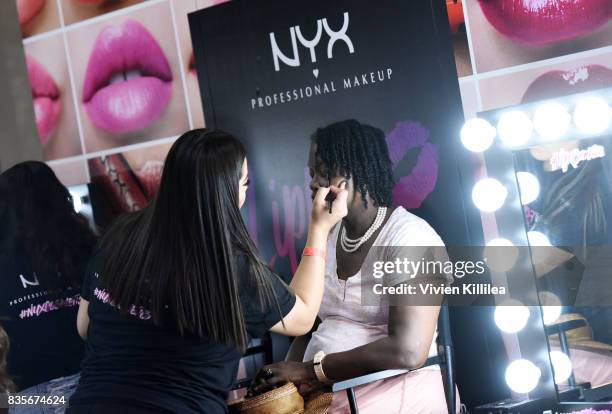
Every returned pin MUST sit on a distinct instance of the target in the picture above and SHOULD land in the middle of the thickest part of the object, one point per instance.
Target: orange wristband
(313, 251)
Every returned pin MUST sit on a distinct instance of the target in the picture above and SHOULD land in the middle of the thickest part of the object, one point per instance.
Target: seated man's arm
(411, 330)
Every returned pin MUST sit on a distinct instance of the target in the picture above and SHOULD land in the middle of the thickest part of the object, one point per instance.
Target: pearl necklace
(352, 245)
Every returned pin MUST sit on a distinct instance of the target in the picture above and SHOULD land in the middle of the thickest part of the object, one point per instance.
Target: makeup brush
(330, 197)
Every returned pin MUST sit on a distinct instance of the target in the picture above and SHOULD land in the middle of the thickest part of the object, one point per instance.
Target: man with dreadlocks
(353, 340)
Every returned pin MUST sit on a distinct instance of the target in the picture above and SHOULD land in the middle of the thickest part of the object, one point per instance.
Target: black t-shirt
(40, 322)
(131, 361)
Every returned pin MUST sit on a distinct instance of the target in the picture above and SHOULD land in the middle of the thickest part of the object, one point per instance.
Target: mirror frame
(499, 163)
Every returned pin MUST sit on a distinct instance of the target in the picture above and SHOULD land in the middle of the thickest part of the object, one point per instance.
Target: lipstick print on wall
(37, 16)
(412, 185)
(54, 109)
(456, 21)
(551, 81)
(181, 9)
(79, 10)
(46, 99)
(546, 21)
(129, 85)
(554, 83)
(511, 32)
(28, 10)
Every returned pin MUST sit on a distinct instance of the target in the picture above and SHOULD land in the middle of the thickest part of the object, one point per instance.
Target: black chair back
(445, 351)
(445, 359)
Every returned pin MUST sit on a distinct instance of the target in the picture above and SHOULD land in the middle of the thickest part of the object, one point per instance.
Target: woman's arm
(307, 282)
(299, 344)
(83, 319)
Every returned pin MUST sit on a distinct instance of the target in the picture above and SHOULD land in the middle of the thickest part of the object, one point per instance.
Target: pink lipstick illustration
(46, 98)
(411, 190)
(128, 83)
(546, 21)
(561, 82)
(28, 10)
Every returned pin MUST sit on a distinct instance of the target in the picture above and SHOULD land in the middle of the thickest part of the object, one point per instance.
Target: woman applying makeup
(354, 340)
(178, 288)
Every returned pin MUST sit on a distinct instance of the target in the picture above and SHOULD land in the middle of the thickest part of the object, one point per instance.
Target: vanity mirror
(547, 169)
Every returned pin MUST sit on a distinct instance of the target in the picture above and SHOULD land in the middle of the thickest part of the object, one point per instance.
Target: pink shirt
(346, 324)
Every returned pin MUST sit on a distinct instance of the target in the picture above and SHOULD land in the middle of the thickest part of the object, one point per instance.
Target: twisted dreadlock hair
(360, 152)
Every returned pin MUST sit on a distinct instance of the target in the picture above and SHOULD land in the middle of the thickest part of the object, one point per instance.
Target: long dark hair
(574, 207)
(177, 256)
(40, 224)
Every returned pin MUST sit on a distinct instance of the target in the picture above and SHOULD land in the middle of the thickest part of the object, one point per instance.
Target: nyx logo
(25, 282)
(310, 44)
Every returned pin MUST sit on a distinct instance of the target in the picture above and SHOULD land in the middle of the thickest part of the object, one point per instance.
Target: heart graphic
(315, 72)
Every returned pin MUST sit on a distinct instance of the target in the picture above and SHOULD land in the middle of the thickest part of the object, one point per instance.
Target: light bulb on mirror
(489, 194)
(550, 313)
(551, 306)
(500, 254)
(499, 242)
(551, 120)
(562, 366)
(529, 187)
(522, 376)
(592, 115)
(514, 128)
(537, 238)
(539, 245)
(512, 316)
(477, 134)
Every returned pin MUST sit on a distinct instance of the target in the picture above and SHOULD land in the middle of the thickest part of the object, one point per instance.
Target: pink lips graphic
(559, 83)
(46, 98)
(128, 83)
(411, 191)
(546, 21)
(28, 10)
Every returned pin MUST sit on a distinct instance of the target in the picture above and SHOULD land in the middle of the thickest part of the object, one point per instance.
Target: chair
(583, 391)
(561, 329)
(256, 346)
(444, 359)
